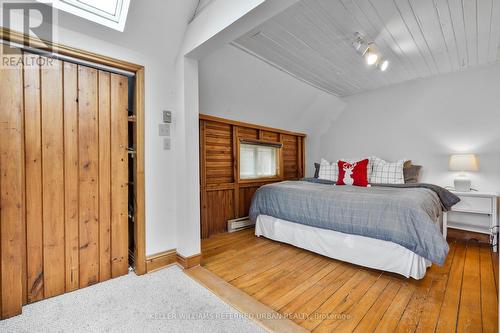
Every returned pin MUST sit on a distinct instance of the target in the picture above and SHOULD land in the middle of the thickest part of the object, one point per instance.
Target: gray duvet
(405, 216)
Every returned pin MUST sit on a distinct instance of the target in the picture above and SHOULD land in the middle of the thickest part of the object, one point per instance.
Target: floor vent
(239, 224)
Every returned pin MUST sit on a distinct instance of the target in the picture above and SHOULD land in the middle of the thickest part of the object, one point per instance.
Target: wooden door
(64, 179)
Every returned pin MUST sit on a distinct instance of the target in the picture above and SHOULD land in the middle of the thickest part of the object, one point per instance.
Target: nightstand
(475, 203)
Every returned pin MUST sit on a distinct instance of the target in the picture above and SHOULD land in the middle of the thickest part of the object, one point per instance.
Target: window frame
(279, 162)
(87, 12)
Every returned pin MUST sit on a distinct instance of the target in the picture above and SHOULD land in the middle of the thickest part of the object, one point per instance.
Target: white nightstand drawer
(474, 205)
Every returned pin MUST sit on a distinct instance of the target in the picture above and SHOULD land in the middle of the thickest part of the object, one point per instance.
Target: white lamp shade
(463, 162)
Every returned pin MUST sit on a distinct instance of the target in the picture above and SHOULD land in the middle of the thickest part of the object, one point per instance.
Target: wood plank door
(64, 179)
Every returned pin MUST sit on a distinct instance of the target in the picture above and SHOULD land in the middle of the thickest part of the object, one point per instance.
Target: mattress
(355, 249)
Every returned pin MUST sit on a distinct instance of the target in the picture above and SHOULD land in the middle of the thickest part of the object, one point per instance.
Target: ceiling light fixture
(371, 56)
(383, 65)
(369, 51)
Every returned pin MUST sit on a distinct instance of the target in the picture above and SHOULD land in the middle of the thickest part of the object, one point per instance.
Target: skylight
(111, 13)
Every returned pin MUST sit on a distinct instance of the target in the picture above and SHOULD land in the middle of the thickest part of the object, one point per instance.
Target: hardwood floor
(324, 295)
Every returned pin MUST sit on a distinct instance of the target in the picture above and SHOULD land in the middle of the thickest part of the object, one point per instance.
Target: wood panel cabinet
(224, 195)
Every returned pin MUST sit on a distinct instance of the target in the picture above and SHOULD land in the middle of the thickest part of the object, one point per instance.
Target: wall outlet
(164, 129)
(167, 117)
(166, 143)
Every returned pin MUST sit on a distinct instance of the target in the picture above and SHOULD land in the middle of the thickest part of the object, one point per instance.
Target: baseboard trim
(260, 313)
(160, 260)
(189, 262)
(167, 258)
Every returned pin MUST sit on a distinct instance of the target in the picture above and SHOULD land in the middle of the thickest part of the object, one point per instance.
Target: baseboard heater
(239, 224)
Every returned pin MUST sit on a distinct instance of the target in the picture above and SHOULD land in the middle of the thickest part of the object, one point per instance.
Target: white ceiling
(312, 39)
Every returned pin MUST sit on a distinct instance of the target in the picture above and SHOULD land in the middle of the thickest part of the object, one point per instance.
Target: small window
(259, 160)
(110, 13)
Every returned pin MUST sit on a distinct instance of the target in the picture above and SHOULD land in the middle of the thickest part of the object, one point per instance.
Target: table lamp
(463, 163)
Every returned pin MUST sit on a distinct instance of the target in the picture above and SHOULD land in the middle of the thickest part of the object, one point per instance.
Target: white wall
(221, 22)
(425, 121)
(238, 86)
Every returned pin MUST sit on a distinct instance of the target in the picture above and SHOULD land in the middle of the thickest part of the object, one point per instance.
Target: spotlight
(383, 65)
(371, 57)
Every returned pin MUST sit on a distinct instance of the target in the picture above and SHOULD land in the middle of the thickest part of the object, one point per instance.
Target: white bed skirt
(359, 250)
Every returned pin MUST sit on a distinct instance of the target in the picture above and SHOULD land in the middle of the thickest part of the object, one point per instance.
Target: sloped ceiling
(312, 39)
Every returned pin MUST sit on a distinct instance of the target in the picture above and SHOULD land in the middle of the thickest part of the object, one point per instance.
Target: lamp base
(462, 184)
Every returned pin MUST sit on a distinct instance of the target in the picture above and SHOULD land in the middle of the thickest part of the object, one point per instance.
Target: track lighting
(369, 51)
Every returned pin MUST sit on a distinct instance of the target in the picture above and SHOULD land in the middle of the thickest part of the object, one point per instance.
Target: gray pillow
(316, 170)
(411, 173)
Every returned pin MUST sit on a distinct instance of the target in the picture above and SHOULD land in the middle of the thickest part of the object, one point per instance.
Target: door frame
(139, 71)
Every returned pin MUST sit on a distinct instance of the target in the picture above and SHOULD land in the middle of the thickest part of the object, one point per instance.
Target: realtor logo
(33, 19)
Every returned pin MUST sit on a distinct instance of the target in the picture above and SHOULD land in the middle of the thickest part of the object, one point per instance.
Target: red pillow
(355, 173)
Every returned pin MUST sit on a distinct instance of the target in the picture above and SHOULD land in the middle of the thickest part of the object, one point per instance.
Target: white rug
(164, 301)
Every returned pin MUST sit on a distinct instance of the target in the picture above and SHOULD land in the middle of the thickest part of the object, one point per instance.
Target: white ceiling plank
(406, 11)
(494, 39)
(389, 22)
(384, 42)
(427, 18)
(335, 44)
(325, 47)
(275, 65)
(469, 8)
(277, 55)
(457, 15)
(484, 11)
(312, 40)
(332, 15)
(307, 57)
(447, 27)
(321, 67)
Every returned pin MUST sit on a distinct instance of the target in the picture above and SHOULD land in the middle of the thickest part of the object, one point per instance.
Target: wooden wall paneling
(281, 157)
(33, 183)
(219, 168)
(53, 177)
(270, 136)
(119, 175)
(104, 80)
(246, 125)
(246, 194)
(236, 170)
(219, 153)
(11, 189)
(88, 133)
(220, 205)
(303, 161)
(248, 133)
(299, 158)
(71, 177)
(203, 182)
(290, 156)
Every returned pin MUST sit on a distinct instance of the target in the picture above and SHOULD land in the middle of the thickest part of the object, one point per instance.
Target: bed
(395, 228)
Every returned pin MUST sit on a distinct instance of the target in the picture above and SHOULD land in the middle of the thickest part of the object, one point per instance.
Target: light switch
(167, 117)
(164, 129)
(166, 144)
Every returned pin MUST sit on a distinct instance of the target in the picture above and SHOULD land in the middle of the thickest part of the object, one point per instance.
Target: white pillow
(385, 172)
(328, 171)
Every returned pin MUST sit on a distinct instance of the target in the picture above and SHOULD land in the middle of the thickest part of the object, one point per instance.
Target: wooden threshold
(321, 294)
(263, 315)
